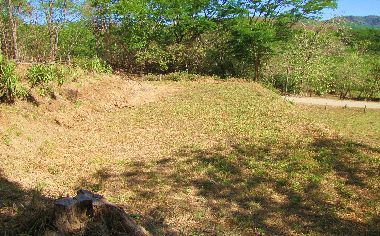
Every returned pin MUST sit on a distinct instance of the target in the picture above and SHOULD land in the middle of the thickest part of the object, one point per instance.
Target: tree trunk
(2, 36)
(91, 214)
(13, 28)
(52, 33)
(257, 64)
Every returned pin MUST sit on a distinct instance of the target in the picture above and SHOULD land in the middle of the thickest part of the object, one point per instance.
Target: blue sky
(355, 7)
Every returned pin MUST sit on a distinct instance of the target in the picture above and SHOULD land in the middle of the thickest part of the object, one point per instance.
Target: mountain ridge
(371, 21)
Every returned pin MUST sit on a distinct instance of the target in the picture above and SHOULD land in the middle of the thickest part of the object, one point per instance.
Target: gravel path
(332, 102)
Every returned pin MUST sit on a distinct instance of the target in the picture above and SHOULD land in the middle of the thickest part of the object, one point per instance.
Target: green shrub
(95, 65)
(41, 74)
(350, 75)
(21, 91)
(175, 76)
(372, 82)
(62, 73)
(178, 76)
(153, 58)
(285, 83)
(9, 82)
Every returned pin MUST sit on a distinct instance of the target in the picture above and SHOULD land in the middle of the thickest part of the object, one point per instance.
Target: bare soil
(333, 102)
(58, 135)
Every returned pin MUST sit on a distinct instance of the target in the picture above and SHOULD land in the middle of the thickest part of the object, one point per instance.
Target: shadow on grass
(289, 191)
(28, 212)
(143, 182)
(22, 211)
(329, 186)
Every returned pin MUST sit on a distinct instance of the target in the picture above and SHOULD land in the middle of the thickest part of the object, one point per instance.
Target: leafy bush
(315, 62)
(189, 57)
(9, 82)
(153, 58)
(285, 83)
(350, 75)
(62, 73)
(176, 76)
(373, 81)
(41, 74)
(95, 65)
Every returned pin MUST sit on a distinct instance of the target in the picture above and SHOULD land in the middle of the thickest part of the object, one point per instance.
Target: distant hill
(362, 21)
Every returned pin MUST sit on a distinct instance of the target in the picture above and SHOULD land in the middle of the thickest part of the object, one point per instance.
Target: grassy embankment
(195, 158)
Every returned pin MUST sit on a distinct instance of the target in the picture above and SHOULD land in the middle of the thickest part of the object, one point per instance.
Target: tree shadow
(23, 211)
(143, 182)
(28, 212)
(327, 186)
(347, 159)
(288, 192)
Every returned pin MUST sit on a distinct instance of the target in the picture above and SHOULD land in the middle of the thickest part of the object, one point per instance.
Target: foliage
(166, 36)
(41, 74)
(368, 37)
(95, 64)
(77, 40)
(349, 74)
(252, 44)
(34, 42)
(281, 43)
(319, 61)
(306, 62)
(142, 33)
(371, 87)
(9, 82)
(154, 58)
(175, 76)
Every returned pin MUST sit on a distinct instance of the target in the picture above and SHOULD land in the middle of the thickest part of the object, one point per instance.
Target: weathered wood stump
(90, 214)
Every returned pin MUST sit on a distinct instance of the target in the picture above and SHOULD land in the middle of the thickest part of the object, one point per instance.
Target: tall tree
(259, 24)
(2, 33)
(13, 27)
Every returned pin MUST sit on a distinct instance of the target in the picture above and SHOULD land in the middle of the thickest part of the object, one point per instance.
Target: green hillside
(363, 21)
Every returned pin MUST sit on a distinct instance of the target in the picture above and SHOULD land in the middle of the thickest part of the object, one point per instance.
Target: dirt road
(332, 102)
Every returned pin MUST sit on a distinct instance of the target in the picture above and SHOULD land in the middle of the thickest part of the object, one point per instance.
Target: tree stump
(91, 214)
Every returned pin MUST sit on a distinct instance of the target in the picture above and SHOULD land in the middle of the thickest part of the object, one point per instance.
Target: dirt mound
(112, 92)
(78, 101)
(104, 93)
(78, 117)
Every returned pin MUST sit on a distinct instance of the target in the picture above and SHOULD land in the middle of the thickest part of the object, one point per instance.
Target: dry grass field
(192, 158)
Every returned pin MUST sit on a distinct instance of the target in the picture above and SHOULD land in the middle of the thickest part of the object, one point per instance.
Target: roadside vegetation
(282, 43)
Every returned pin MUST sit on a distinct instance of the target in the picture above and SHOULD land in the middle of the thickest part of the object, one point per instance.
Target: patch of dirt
(44, 140)
(76, 102)
(319, 101)
(104, 94)
(113, 92)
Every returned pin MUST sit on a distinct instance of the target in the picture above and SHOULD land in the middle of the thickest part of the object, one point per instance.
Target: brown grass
(192, 158)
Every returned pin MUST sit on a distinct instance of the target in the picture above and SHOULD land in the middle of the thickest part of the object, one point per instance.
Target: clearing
(191, 158)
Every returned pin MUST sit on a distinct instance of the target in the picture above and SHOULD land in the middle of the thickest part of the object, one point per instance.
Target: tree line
(279, 42)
